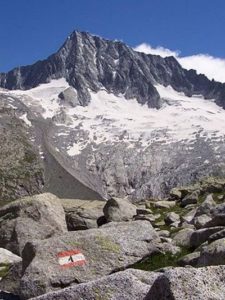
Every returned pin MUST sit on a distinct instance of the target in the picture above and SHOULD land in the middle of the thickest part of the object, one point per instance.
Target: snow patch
(44, 96)
(25, 119)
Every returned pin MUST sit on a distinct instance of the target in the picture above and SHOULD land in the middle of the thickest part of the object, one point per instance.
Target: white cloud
(212, 67)
(148, 49)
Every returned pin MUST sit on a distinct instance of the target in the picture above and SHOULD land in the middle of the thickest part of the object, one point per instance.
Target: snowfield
(110, 119)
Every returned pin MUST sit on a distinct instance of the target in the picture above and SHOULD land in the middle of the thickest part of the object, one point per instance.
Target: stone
(213, 254)
(69, 97)
(175, 194)
(216, 236)
(124, 285)
(33, 217)
(189, 216)
(159, 224)
(175, 224)
(200, 236)
(164, 233)
(218, 216)
(102, 252)
(119, 210)
(171, 218)
(8, 258)
(213, 185)
(143, 211)
(201, 221)
(190, 259)
(163, 204)
(189, 283)
(206, 206)
(83, 214)
(183, 237)
(190, 199)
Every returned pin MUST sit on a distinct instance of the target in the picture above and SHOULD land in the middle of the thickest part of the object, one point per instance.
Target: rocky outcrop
(30, 218)
(87, 255)
(21, 171)
(125, 285)
(187, 283)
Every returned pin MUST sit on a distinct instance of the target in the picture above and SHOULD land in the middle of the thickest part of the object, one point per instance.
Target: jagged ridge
(92, 63)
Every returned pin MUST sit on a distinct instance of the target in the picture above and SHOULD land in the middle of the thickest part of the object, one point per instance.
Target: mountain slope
(122, 122)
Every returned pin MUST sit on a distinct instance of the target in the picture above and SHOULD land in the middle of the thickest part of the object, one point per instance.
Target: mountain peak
(89, 62)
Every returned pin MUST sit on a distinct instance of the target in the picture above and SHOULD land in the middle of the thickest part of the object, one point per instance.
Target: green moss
(4, 269)
(107, 244)
(101, 294)
(160, 260)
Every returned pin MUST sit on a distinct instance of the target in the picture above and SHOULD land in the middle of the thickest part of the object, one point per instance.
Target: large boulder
(218, 216)
(207, 205)
(33, 217)
(189, 284)
(83, 214)
(119, 210)
(124, 285)
(200, 236)
(213, 254)
(86, 255)
(190, 259)
(183, 237)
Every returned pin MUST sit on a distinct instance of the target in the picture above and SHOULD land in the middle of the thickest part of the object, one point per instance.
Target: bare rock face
(21, 171)
(124, 285)
(118, 210)
(81, 256)
(189, 283)
(30, 218)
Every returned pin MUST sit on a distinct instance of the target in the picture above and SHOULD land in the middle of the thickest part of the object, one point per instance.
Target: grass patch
(4, 269)
(160, 260)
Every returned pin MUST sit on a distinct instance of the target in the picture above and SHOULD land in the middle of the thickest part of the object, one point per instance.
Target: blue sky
(33, 29)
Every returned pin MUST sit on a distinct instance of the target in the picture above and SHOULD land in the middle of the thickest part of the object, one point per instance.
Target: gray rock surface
(119, 210)
(189, 259)
(21, 170)
(183, 237)
(190, 199)
(189, 284)
(171, 218)
(200, 236)
(213, 254)
(201, 221)
(216, 236)
(124, 285)
(83, 214)
(105, 250)
(36, 217)
(207, 205)
(8, 258)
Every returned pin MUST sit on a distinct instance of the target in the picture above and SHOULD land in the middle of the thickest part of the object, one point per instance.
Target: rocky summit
(112, 172)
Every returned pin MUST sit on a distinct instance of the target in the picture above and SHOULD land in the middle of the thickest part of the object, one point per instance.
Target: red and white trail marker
(71, 258)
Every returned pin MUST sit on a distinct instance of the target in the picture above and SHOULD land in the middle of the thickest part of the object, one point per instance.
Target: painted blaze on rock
(72, 258)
